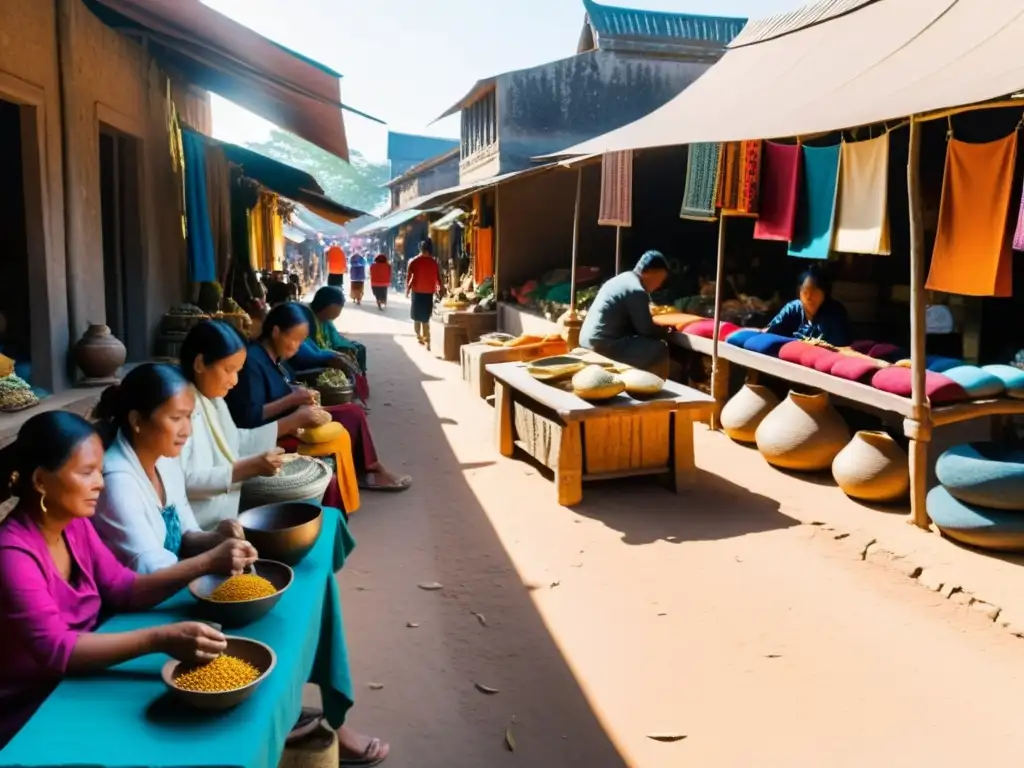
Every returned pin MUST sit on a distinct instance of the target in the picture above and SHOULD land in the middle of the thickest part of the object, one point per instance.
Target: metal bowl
(246, 612)
(256, 653)
(284, 532)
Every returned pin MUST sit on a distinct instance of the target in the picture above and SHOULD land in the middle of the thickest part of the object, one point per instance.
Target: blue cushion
(974, 525)
(975, 381)
(767, 343)
(1012, 378)
(739, 338)
(939, 364)
(987, 474)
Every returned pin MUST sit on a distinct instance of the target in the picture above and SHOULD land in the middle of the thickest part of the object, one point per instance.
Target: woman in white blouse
(220, 456)
(144, 513)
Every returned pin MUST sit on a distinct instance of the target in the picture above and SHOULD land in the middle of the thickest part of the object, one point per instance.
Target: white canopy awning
(840, 64)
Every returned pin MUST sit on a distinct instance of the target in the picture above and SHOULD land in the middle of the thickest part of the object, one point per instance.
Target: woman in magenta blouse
(57, 577)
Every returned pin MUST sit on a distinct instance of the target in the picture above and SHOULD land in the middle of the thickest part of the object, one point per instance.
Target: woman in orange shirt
(422, 281)
(337, 265)
(380, 280)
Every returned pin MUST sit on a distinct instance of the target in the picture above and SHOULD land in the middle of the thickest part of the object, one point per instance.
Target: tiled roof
(609, 21)
(408, 146)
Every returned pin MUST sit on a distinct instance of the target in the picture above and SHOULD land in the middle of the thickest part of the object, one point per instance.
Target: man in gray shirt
(619, 323)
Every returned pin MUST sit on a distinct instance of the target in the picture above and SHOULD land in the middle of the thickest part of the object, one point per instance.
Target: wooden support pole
(718, 370)
(572, 322)
(919, 426)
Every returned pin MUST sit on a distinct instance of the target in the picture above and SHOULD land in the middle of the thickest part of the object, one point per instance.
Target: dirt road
(711, 616)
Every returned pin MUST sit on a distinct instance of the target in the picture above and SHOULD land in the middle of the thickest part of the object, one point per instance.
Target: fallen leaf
(663, 614)
(666, 738)
(431, 586)
(773, 656)
(376, 686)
(481, 618)
(411, 624)
(555, 584)
(510, 741)
(486, 689)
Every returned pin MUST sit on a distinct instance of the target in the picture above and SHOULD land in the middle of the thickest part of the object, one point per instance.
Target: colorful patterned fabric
(703, 166)
(740, 178)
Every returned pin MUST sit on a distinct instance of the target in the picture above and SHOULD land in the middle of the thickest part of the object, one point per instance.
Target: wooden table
(582, 441)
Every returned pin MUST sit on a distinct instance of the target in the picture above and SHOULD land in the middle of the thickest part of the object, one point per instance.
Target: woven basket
(181, 323)
(302, 478)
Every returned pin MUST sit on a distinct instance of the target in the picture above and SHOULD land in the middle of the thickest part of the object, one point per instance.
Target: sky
(407, 61)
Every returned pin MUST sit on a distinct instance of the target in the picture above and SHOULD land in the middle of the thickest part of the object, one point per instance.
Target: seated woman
(265, 393)
(619, 324)
(152, 414)
(815, 315)
(219, 457)
(327, 305)
(57, 577)
(143, 514)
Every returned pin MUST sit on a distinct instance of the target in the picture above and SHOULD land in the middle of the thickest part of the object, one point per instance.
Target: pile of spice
(225, 673)
(242, 588)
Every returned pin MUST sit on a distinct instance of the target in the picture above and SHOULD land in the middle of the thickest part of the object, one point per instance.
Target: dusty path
(712, 616)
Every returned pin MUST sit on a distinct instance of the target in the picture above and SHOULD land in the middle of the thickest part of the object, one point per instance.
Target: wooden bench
(582, 441)
(476, 357)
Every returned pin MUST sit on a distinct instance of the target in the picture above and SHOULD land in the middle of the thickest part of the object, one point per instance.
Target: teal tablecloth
(124, 718)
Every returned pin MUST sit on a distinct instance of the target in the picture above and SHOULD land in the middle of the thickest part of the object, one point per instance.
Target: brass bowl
(252, 651)
(238, 614)
(284, 532)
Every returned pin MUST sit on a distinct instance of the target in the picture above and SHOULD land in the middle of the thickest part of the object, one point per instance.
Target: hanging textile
(729, 182)
(816, 213)
(201, 261)
(702, 174)
(972, 254)
(740, 178)
(218, 190)
(750, 181)
(616, 189)
(781, 167)
(241, 283)
(276, 235)
(483, 261)
(862, 213)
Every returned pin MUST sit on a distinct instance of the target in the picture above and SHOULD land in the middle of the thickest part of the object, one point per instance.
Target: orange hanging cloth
(483, 259)
(972, 255)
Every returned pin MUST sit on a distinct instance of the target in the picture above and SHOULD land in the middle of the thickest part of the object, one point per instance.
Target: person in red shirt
(337, 265)
(380, 280)
(422, 281)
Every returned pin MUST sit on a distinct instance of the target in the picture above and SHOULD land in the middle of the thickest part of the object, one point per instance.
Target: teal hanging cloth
(202, 264)
(816, 213)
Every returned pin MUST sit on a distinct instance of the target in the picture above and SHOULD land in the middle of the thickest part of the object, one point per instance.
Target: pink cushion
(940, 389)
(853, 368)
(706, 329)
(826, 360)
(888, 352)
(797, 352)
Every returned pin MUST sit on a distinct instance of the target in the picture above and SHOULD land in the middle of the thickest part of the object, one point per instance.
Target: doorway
(123, 277)
(15, 304)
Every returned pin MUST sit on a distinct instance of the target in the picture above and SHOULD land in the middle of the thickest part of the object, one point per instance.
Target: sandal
(371, 756)
(309, 719)
(403, 483)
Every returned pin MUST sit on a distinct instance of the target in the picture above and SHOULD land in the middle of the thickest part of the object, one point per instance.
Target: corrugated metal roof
(760, 30)
(610, 21)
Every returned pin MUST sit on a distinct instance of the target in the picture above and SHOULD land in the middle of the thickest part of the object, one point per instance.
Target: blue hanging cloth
(816, 214)
(201, 261)
(172, 539)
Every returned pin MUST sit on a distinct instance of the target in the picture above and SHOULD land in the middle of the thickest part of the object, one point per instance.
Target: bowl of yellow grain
(226, 681)
(234, 601)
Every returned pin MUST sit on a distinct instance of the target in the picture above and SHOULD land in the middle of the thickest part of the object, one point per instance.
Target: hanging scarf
(172, 539)
(210, 416)
(168, 512)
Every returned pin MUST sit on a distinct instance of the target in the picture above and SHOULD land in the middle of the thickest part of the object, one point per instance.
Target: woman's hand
(269, 463)
(232, 556)
(191, 641)
(230, 529)
(301, 396)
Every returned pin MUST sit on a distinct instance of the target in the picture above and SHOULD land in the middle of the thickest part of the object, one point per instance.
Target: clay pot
(745, 411)
(98, 354)
(872, 467)
(804, 433)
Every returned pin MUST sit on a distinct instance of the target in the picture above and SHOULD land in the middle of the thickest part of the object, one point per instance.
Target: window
(480, 125)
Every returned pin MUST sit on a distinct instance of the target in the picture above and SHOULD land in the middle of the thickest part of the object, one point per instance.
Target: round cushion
(678, 320)
(855, 368)
(706, 329)
(988, 474)
(824, 361)
(740, 337)
(767, 343)
(975, 381)
(323, 434)
(797, 352)
(939, 364)
(1012, 378)
(976, 526)
(897, 381)
(888, 352)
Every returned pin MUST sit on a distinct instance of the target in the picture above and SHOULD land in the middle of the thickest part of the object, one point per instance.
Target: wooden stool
(318, 750)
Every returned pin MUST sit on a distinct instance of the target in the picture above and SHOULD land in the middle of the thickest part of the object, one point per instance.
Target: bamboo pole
(719, 368)
(918, 427)
(618, 249)
(572, 322)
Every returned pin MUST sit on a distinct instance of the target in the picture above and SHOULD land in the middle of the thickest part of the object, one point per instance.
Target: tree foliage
(358, 183)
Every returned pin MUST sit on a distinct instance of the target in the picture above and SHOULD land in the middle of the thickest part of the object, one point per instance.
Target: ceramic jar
(804, 433)
(99, 354)
(872, 467)
(745, 411)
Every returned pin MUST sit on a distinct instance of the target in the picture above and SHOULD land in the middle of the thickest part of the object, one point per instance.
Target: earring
(42, 501)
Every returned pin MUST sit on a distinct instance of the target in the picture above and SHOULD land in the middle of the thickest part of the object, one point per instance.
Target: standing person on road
(337, 265)
(422, 282)
(380, 280)
(357, 277)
